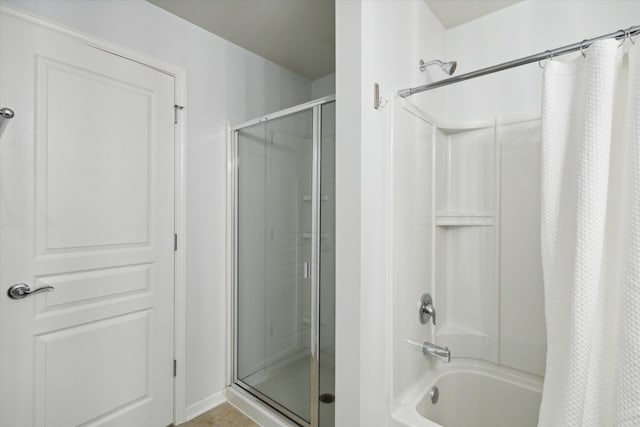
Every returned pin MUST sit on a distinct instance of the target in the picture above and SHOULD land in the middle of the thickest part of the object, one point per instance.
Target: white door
(86, 206)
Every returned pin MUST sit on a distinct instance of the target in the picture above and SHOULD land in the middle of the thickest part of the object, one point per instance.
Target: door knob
(21, 290)
(5, 114)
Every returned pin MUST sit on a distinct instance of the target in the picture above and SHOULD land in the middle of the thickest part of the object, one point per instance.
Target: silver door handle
(5, 114)
(21, 290)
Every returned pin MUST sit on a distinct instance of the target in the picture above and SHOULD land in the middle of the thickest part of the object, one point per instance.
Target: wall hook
(377, 101)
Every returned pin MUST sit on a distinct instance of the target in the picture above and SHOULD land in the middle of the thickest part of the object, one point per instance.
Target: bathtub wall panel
(522, 320)
(466, 256)
(488, 288)
(412, 243)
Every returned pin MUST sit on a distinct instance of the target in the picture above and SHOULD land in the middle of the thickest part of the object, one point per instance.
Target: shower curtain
(591, 238)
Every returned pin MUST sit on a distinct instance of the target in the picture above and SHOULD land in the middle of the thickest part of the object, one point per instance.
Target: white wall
(348, 147)
(376, 41)
(528, 27)
(324, 86)
(224, 81)
(396, 34)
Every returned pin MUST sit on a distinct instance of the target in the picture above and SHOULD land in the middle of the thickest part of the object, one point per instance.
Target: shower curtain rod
(547, 54)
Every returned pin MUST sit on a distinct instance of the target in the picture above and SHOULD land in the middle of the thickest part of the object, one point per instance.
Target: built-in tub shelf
(464, 219)
(307, 198)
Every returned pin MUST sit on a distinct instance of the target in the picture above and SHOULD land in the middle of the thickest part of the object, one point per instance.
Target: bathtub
(471, 394)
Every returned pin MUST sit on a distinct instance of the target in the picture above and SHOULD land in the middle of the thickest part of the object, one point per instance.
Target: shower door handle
(306, 270)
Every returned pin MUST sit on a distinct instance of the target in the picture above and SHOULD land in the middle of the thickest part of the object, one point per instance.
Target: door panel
(115, 197)
(67, 380)
(86, 205)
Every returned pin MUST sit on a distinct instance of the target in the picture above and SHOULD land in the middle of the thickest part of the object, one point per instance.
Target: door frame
(179, 74)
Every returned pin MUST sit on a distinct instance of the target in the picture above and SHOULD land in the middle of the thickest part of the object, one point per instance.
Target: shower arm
(424, 65)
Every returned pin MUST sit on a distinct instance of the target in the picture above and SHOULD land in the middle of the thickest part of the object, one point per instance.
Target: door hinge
(176, 109)
(175, 368)
(175, 242)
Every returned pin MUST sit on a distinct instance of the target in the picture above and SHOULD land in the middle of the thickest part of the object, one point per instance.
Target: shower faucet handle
(427, 310)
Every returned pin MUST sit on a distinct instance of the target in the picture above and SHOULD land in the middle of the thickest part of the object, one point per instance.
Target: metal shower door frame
(315, 106)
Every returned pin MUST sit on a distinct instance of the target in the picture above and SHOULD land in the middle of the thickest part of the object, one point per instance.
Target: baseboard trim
(206, 404)
(255, 409)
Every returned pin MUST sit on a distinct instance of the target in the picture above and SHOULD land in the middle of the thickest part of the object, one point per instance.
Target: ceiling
(452, 13)
(297, 34)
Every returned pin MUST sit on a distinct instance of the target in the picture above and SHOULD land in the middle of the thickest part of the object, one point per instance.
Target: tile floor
(282, 383)
(225, 415)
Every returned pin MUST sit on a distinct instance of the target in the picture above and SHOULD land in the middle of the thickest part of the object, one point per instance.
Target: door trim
(180, 79)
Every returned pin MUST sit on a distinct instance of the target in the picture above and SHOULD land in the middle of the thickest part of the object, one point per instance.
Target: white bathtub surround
(471, 393)
(466, 230)
(591, 238)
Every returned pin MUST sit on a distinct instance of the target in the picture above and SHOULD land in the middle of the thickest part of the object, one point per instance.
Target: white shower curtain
(591, 238)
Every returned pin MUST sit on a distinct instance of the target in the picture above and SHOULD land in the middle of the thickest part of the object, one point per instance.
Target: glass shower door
(274, 251)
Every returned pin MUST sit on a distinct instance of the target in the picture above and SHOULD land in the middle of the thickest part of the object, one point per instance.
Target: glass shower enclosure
(284, 260)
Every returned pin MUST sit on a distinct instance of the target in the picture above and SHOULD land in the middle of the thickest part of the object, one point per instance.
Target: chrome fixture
(5, 114)
(433, 350)
(21, 290)
(434, 393)
(448, 67)
(547, 54)
(427, 310)
(378, 102)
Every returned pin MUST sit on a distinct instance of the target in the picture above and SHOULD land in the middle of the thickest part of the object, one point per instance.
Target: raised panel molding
(114, 371)
(76, 289)
(111, 206)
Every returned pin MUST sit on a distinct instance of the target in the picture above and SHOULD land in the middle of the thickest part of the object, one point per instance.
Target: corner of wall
(348, 219)
(206, 404)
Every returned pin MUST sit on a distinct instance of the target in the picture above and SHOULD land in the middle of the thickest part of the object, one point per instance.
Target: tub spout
(433, 350)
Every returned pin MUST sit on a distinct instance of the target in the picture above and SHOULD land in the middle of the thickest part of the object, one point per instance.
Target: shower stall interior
(284, 260)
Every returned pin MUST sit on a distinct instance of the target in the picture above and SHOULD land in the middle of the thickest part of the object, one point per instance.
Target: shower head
(448, 67)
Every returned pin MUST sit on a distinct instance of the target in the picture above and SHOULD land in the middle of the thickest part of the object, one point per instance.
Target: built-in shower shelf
(308, 235)
(464, 219)
(307, 198)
